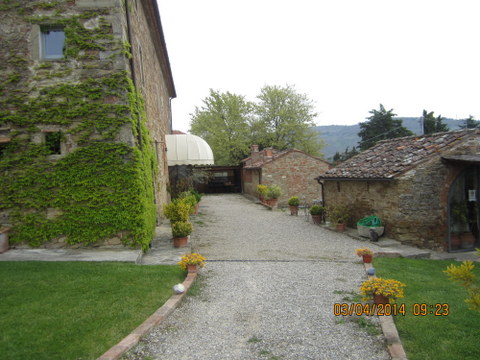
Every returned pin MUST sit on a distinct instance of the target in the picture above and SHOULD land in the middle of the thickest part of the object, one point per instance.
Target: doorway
(463, 210)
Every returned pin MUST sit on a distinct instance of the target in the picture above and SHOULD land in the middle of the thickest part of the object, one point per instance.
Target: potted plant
(365, 253)
(262, 191)
(176, 211)
(191, 262)
(293, 203)
(273, 193)
(180, 232)
(338, 215)
(188, 198)
(4, 244)
(317, 212)
(198, 197)
(382, 291)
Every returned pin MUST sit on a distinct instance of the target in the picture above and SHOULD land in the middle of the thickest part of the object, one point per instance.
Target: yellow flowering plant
(387, 287)
(192, 259)
(363, 251)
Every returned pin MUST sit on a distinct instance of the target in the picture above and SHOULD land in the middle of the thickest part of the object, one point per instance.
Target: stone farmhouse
(85, 92)
(424, 188)
(292, 170)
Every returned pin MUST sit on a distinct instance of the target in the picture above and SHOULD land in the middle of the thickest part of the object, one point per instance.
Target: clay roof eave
(339, 178)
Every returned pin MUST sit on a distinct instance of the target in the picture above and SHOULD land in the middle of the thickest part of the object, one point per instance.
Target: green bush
(181, 228)
(274, 192)
(176, 211)
(262, 190)
(316, 210)
(294, 201)
(338, 214)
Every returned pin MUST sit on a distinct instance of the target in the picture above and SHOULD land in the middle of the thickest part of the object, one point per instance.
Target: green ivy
(103, 188)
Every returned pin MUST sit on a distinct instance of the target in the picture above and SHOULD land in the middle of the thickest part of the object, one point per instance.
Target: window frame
(44, 30)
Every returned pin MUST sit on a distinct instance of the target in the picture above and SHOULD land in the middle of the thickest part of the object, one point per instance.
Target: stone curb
(394, 344)
(155, 319)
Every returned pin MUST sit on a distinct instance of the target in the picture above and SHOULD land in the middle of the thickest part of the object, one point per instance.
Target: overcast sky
(348, 56)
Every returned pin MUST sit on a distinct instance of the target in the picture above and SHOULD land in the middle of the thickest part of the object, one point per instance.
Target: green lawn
(76, 310)
(452, 337)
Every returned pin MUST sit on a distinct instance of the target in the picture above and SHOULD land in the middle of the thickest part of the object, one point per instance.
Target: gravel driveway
(267, 291)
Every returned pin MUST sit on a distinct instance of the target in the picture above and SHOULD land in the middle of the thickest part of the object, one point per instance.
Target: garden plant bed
(442, 337)
(73, 310)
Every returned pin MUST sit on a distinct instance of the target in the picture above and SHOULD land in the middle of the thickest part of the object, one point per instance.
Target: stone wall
(295, 173)
(87, 97)
(251, 178)
(151, 79)
(414, 206)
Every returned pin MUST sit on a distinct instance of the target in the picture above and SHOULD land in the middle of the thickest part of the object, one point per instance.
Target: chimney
(268, 152)
(254, 149)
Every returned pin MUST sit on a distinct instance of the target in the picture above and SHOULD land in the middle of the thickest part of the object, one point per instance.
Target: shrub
(181, 228)
(316, 210)
(338, 214)
(189, 199)
(176, 211)
(274, 192)
(262, 190)
(294, 201)
(463, 274)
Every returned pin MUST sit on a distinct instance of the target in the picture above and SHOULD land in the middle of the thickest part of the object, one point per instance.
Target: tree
(284, 119)
(380, 126)
(338, 158)
(470, 123)
(223, 122)
(432, 124)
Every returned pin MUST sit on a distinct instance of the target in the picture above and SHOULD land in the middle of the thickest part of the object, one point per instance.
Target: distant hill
(339, 137)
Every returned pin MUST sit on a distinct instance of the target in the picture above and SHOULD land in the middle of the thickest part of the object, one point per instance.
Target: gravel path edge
(394, 344)
(155, 319)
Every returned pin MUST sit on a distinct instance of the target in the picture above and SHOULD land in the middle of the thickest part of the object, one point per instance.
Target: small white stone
(179, 288)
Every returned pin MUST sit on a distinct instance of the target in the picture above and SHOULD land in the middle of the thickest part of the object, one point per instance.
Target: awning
(187, 149)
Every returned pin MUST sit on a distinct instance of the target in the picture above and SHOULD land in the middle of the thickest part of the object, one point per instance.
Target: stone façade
(412, 203)
(110, 93)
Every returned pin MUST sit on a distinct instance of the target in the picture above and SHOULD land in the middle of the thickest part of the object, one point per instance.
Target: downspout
(322, 190)
(132, 70)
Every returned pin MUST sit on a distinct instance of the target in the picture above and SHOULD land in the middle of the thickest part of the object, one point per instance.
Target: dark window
(53, 142)
(52, 43)
(3, 148)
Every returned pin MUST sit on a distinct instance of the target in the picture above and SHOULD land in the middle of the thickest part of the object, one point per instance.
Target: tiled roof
(390, 158)
(260, 159)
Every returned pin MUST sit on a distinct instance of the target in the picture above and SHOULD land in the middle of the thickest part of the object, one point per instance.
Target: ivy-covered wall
(101, 186)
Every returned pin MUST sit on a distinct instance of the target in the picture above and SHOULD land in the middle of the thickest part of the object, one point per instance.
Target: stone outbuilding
(85, 104)
(292, 170)
(424, 188)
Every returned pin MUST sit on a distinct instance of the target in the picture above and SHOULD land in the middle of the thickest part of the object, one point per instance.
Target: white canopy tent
(187, 149)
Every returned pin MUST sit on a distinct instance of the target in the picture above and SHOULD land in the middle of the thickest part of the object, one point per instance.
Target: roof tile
(389, 158)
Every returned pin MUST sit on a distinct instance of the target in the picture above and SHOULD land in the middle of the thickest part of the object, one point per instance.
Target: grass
(76, 310)
(451, 337)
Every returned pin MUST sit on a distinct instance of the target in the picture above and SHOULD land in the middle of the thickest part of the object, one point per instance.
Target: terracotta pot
(367, 258)
(317, 219)
(380, 299)
(293, 210)
(340, 227)
(192, 268)
(179, 242)
(271, 202)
